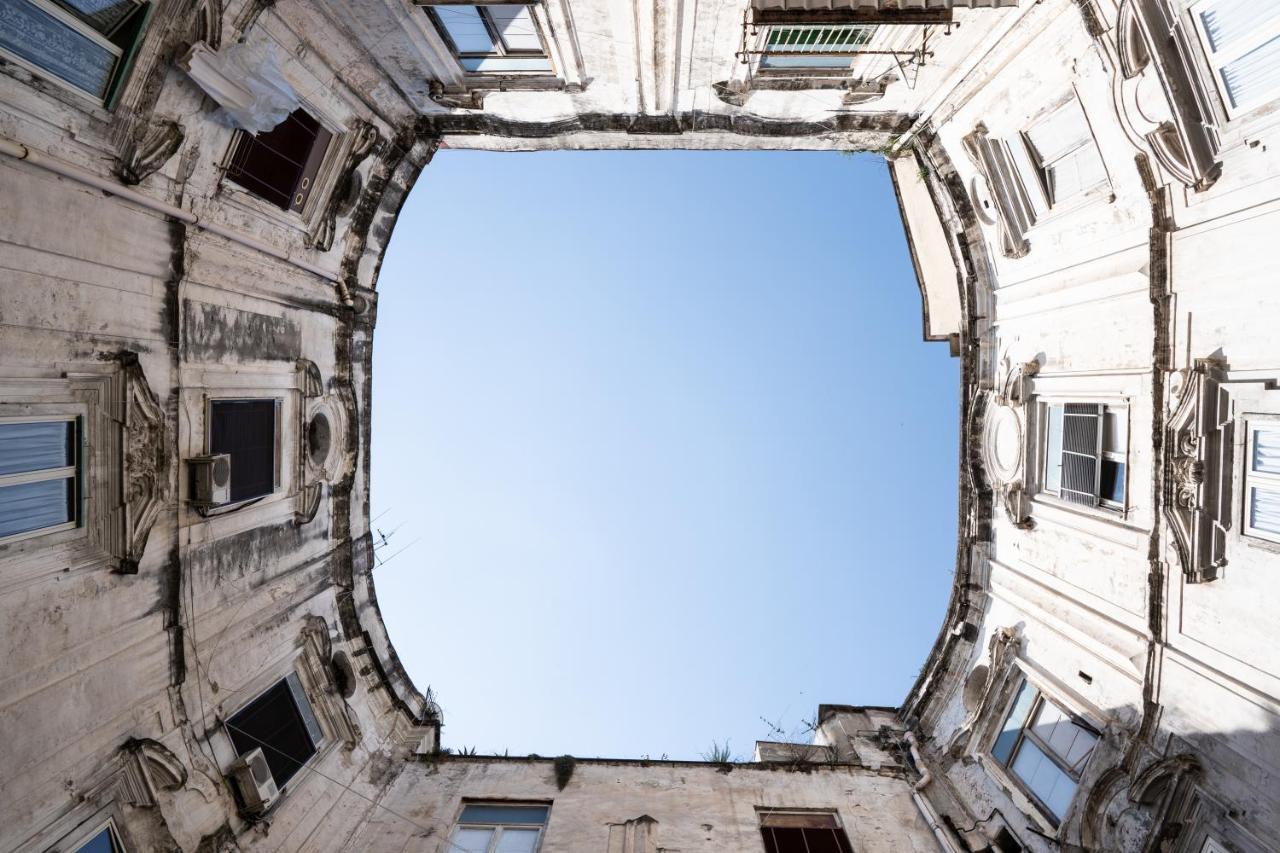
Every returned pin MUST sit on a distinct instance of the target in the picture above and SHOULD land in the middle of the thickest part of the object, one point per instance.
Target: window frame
(124, 55)
(109, 826)
(870, 29)
(318, 748)
(838, 830)
(277, 442)
(1218, 60)
(1034, 170)
(1006, 769)
(1252, 425)
(459, 824)
(75, 471)
(495, 36)
(318, 188)
(1043, 418)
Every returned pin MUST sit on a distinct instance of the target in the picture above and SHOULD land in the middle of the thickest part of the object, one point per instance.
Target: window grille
(814, 45)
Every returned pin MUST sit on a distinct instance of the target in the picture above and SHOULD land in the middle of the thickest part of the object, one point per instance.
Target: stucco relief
(1198, 470)
(1004, 442)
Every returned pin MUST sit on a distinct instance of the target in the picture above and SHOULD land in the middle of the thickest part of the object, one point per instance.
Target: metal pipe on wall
(18, 151)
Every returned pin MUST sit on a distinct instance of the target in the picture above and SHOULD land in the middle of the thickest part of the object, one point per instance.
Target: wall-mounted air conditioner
(254, 781)
(210, 479)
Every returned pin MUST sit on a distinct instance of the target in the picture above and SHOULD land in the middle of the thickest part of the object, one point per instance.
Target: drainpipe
(18, 151)
(945, 842)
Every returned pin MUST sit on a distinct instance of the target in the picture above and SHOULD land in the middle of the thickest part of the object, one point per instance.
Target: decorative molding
(147, 766)
(309, 378)
(146, 466)
(638, 835)
(1198, 470)
(1161, 104)
(361, 139)
(1154, 808)
(207, 23)
(314, 671)
(1002, 675)
(151, 146)
(997, 192)
(1004, 447)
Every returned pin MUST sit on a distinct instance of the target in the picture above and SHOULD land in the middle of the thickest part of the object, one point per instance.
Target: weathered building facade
(198, 194)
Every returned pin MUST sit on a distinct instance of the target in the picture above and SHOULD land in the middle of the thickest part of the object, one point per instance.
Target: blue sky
(662, 446)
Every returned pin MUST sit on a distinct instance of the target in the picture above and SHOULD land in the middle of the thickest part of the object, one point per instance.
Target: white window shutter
(1081, 451)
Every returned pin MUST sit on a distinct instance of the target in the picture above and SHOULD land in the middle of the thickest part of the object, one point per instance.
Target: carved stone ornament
(147, 766)
(363, 139)
(1004, 443)
(1198, 471)
(983, 702)
(1148, 812)
(146, 470)
(315, 673)
(1160, 101)
(995, 193)
(464, 99)
(152, 145)
(207, 23)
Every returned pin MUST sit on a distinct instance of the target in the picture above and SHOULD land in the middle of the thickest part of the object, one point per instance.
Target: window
(246, 429)
(39, 475)
(1262, 482)
(1045, 749)
(1085, 453)
(492, 39)
(280, 166)
(281, 723)
(499, 828)
(104, 841)
(814, 45)
(87, 45)
(1063, 155)
(1242, 41)
(803, 832)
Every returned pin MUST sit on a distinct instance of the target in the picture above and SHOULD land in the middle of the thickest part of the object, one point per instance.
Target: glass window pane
(466, 29)
(1053, 450)
(468, 840)
(1043, 778)
(1013, 723)
(499, 814)
(1111, 481)
(1264, 509)
(32, 506)
(1255, 76)
(29, 32)
(1115, 431)
(517, 841)
(515, 27)
(34, 447)
(1266, 451)
(103, 842)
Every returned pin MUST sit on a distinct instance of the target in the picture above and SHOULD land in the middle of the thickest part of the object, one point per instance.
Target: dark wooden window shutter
(1081, 452)
(246, 429)
(280, 166)
(803, 832)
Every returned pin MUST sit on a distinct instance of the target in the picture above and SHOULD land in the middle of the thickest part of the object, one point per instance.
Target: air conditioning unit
(254, 781)
(210, 479)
